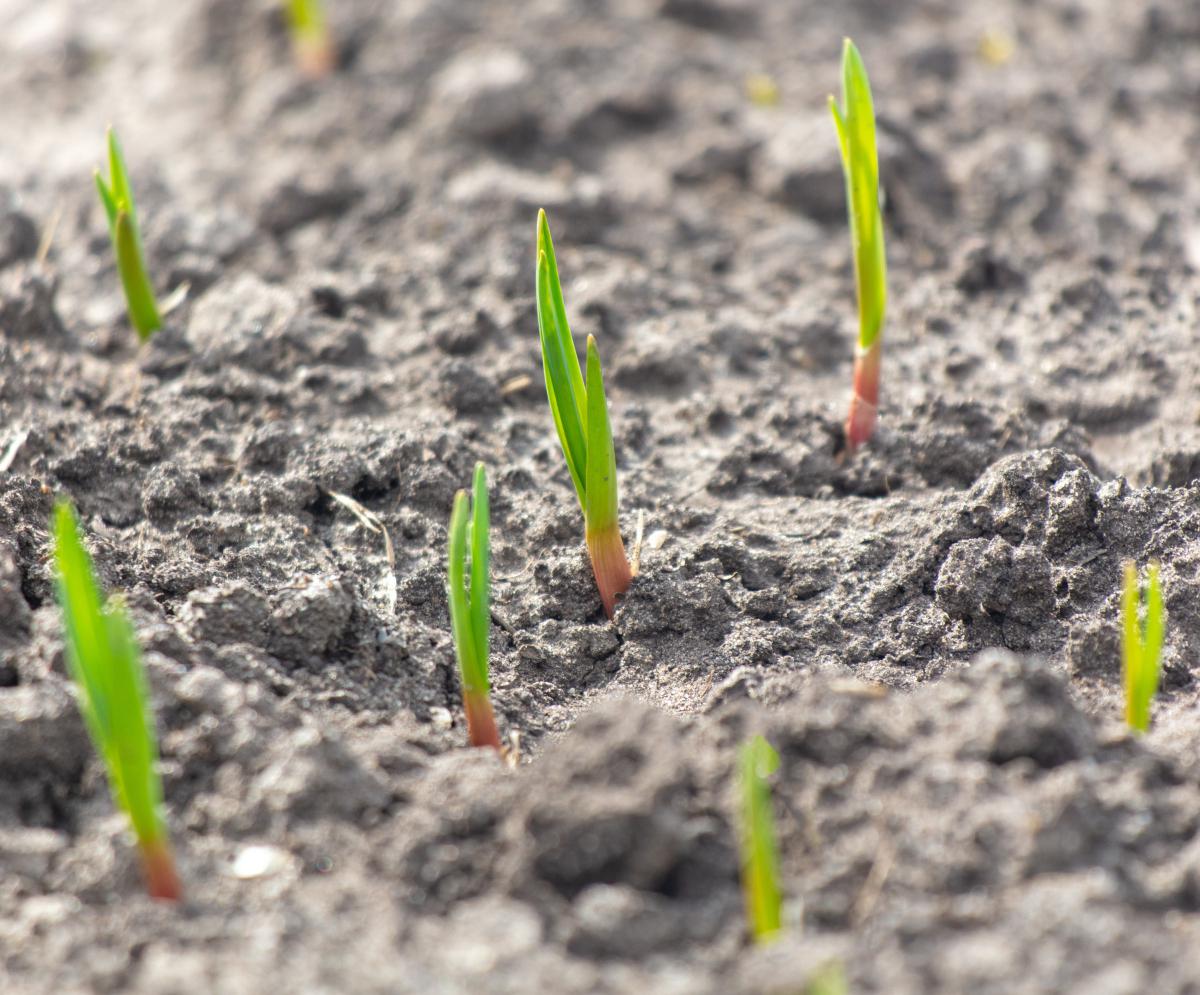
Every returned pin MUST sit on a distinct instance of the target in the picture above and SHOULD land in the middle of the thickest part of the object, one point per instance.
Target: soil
(926, 631)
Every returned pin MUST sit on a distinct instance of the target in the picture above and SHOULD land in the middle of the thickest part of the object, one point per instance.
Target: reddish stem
(610, 565)
(158, 863)
(864, 404)
(315, 57)
(481, 720)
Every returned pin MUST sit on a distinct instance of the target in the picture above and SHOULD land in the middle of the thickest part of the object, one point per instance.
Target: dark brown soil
(927, 632)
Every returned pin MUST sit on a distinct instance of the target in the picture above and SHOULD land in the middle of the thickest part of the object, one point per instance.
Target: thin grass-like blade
(460, 611)
(118, 179)
(1155, 628)
(857, 140)
(306, 16)
(558, 308)
(131, 735)
(103, 657)
(600, 512)
(139, 295)
(760, 860)
(557, 363)
(480, 598)
(86, 647)
(839, 124)
(110, 204)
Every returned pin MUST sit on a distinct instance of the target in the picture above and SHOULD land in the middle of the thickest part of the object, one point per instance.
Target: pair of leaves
(1142, 645)
(577, 402)
(117, 198)
(103, 658)
(855, 124)
(470, 617)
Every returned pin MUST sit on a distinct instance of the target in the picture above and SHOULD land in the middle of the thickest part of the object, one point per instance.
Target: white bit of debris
(636, 560)
(657, 539)
(258, 862)
(14, 446)
(175, 298)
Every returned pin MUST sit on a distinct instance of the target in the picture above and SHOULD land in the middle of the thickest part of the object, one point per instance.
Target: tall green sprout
(855, 124)
(117, 198)
(580, 413)
(470, 616)
(103, 657)
(312, 44)
(1142, 645)
(757, 761)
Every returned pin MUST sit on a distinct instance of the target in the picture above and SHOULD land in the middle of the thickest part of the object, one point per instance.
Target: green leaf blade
(558, 308)
(557, 363)
(480, 599)
(1141, 645)
(116, 196)
(760, 860)
(139, 294)
(460, 611)
(117, 177)
(103, 657)
(109, 202)
(133, 737)
(601, 507)
(855, 125)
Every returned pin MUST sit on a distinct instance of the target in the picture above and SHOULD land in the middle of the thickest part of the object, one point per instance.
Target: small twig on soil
(373, 523)
(635, 561)
(14, 446)
(510, 752)
(43, 249)
(872, 888)
(515, 385)
(175, 298)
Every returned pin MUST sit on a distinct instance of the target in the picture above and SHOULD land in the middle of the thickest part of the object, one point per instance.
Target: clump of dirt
(926, 631)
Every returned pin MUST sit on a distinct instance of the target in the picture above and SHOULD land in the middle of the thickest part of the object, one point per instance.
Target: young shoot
(829, 980)
(312, 44)
(580, 413)
(757, 761)
(117, 198)
(470, 617)
(1142, 645)
(855, 124)
(103, 658)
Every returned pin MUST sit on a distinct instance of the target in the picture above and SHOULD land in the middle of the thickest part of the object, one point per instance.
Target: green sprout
(760, 861)
(828, 980)
(470, 616)
(312, 44)
(580, 413)
(117, 198)
(855, 123)
(103, 658)
(1142, 645)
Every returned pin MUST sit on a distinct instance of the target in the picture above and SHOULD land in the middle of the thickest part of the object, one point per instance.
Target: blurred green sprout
(828, 980)
(104, 661)
(855, 125)
(312, 44)
(757, 761)
(1142, 645)
(117, 198)
(470, 614)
